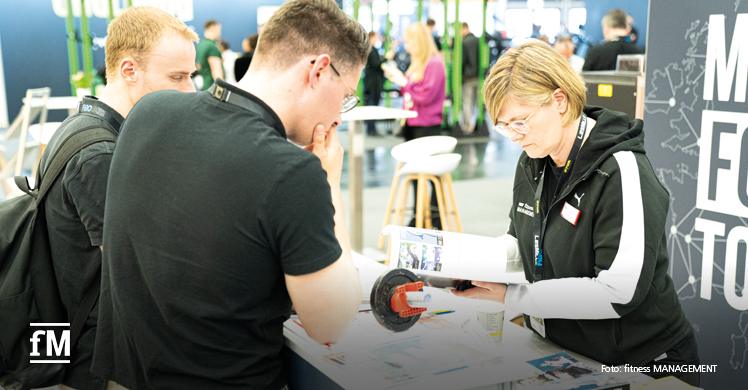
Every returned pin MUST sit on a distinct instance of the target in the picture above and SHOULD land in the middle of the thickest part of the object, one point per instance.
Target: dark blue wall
(35, 50)
(596, 9)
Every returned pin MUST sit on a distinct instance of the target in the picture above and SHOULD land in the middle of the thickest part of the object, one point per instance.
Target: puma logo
(579, 199)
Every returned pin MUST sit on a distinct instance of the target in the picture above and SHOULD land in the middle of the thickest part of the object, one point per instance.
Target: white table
(506, 363)
(355, 120)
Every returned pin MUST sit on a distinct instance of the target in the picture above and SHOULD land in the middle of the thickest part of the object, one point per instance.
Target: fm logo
(57, 349)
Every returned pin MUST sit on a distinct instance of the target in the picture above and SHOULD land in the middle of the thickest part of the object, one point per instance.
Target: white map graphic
(740, 343)
(674, 91)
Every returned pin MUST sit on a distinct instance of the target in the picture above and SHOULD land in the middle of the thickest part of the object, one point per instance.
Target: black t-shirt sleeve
(298, 218)
(590, 61)
(85, 183)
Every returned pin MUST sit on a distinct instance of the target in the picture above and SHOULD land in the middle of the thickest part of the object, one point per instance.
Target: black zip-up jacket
(605, 291)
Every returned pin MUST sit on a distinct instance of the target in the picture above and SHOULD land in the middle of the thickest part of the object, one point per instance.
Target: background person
(615, 31)
(469, 79)
(209, 60)
(564, 46)
(373, 80)
(242, 63)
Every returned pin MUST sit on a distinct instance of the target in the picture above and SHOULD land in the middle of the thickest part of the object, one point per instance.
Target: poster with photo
(553, 362)
(448, 257)
(561, 371)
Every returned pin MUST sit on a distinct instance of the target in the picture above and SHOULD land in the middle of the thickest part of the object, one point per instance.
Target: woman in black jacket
(587, 220)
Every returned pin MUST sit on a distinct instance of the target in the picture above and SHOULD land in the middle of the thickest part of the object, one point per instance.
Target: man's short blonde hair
(616, 18)
(530, 73)
(136, 31)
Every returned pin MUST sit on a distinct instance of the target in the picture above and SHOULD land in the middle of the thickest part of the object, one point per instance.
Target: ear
(317, 68)
(128, 69)
(560, 102)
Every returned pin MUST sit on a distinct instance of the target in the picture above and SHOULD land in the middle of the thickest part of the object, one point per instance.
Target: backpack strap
(69, 148)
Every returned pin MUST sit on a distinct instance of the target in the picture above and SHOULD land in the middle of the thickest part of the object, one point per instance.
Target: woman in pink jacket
(422, 85)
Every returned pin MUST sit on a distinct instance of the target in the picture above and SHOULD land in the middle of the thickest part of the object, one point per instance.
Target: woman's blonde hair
(421, 47)
(530, 73)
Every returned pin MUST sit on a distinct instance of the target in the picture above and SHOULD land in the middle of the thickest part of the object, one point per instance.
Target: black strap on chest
(540, 215)
(225, 95)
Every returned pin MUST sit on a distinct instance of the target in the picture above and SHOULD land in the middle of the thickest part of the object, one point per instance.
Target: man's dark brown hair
(311, 27)
(210, 23)
(253, 41)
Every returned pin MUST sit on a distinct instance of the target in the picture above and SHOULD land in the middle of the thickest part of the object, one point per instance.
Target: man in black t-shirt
(615, 31)
(373, 80)
(216, 224)
(431, 24)
(470, 68)
(146, 50)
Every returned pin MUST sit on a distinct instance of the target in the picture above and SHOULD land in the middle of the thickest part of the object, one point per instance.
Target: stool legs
(402, 199)
(441, 204)
(427, 203)
(420, 200)
(452, 208)
(445, 199)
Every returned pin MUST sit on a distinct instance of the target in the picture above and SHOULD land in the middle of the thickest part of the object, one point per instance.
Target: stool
(413, 150)
(437, 170)
(422, 147)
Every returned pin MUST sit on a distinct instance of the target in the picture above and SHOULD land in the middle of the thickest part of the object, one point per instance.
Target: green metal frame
(419, 11)
(111, 10)
(387, 42)
(72, 46)
(457, 67)
(360, 86)
(447, 54)
(453, 63)
(88, 71)
(87, 80)
(483, 59)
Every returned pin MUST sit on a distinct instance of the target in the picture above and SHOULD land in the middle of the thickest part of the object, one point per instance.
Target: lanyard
(539, 222)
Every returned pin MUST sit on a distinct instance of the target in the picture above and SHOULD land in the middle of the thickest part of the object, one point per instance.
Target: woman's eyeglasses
(519, 126)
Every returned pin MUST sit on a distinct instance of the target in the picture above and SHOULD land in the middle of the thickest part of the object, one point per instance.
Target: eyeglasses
(350, 100)
(519, 126)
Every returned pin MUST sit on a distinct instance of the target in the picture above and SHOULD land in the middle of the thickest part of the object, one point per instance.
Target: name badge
(538, 324)
(570, 213)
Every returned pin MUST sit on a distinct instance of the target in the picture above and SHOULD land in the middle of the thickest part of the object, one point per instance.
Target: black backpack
(28, 287)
